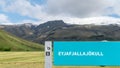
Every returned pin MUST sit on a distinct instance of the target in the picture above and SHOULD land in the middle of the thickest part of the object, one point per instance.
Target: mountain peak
(27, 24)
(52, 24)
(56, 21)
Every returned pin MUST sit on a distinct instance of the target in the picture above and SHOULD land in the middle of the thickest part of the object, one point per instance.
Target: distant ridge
(61, 31)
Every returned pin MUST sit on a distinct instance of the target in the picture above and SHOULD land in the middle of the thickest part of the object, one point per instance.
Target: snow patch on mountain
(94, 21)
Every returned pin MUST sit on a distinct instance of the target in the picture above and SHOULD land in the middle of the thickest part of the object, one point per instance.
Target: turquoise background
(111, 52)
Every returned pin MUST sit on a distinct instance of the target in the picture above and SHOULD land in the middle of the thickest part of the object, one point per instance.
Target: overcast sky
(70, 11)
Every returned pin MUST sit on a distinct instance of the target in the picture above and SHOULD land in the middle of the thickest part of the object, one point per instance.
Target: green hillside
(9, 42)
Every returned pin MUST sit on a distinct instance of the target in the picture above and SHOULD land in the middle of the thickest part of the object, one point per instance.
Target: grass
(21, 60)
(29, 60)
(9, 42)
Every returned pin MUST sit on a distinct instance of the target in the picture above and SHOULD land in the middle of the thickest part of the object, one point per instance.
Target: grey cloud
(77, 8)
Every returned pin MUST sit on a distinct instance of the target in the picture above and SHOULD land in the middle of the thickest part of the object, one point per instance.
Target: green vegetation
(21, 59)
(9, 42)
(30, 60)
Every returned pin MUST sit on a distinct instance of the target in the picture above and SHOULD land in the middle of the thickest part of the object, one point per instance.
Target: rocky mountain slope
(58, 30)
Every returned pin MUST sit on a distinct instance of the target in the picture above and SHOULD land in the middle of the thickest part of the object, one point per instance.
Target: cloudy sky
(71, 11)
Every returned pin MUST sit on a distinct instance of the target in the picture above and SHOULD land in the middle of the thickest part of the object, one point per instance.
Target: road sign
(94, 53)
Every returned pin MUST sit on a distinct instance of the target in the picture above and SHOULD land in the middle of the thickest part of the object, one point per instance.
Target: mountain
(32, 32)
(49, 26)
(59, 31)
(82, 33)
(8, 42)
(24, 31)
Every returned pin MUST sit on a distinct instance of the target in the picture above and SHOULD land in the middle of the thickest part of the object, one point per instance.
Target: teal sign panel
(74, 53)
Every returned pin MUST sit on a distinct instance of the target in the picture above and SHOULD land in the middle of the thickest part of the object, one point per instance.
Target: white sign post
(48, 54)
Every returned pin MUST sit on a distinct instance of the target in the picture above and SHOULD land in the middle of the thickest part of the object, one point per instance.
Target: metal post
(48, 54)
